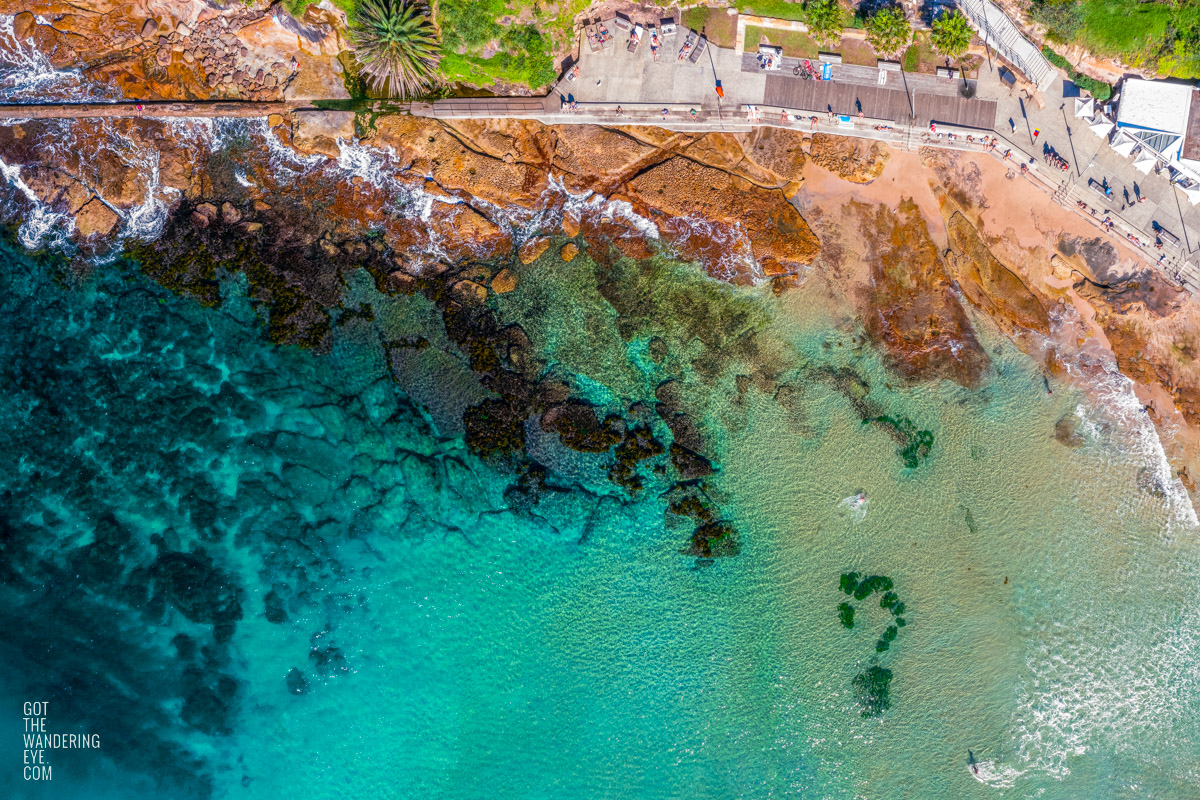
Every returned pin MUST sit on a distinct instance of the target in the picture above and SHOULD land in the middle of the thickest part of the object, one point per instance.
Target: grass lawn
(1131, 30)
(775, 9)
(716, 23)
(920, 56)
(1161, 36)
(478, 49)
(794, 43)
(801, 45)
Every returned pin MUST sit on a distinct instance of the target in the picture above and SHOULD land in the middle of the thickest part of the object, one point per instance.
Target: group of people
(1055, 160)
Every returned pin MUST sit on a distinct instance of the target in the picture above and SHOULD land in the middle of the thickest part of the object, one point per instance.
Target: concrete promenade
(149, 109)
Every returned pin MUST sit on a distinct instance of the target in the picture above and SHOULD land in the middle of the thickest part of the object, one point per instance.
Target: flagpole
(716, 83)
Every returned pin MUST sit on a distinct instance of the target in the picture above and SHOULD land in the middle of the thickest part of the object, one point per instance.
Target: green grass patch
(1164, 37)
(1124, 28)
(920, 55)
(775, 9)
(478, 49)
(857, 51)
(296, 7)
(794, 43)
(715, 23)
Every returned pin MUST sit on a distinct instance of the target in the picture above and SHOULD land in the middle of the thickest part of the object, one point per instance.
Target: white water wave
(1118, 416)
(27, 74)
(40, 225)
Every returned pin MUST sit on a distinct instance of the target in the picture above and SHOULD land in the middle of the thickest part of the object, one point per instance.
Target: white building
(1163, 117)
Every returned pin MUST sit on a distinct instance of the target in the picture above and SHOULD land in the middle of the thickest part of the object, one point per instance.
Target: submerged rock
(1066, 431)
(198, 589)
(872, 688)
(913, 311)
(296, 682)
(714, 540)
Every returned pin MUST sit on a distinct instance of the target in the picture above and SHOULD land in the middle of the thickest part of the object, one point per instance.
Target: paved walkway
(146, 108)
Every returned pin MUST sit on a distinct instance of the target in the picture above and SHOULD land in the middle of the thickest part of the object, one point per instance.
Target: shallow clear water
(455, 642)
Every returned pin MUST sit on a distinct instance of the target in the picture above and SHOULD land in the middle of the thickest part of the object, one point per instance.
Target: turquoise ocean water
(258, 573)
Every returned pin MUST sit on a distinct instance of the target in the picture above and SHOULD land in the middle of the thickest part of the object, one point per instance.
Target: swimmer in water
(971, 762)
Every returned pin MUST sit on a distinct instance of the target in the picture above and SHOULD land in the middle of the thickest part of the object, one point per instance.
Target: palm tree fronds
(397, 46)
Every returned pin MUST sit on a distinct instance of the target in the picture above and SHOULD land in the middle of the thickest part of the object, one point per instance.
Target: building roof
(1155, 105)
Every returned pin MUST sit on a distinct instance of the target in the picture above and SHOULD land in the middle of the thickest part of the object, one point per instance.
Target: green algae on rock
(872, 689)
(846, 614)
(915, 444)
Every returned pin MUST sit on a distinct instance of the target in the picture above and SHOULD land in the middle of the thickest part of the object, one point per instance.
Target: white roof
(1157, 105)
(1084, 107)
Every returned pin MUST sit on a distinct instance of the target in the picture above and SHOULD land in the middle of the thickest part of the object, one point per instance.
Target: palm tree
(396, 44)
(824, 19)
(951, 35)
(888, 30)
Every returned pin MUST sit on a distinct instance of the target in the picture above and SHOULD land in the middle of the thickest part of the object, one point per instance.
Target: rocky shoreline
(450, 207)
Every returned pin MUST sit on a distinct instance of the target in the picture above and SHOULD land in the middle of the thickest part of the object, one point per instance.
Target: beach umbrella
(1144, 162)
(1084, 107)
(1123, 143)
(1100, 126)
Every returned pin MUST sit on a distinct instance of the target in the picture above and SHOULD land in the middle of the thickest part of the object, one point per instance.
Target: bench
(890, 66)
(622, 23)
(829, 58)
(947, 72)
(1166, 236)
(635, 39)
(667, 27)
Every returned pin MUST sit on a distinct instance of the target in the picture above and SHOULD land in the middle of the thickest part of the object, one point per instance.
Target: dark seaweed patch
(872, 688)
(846, 615)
